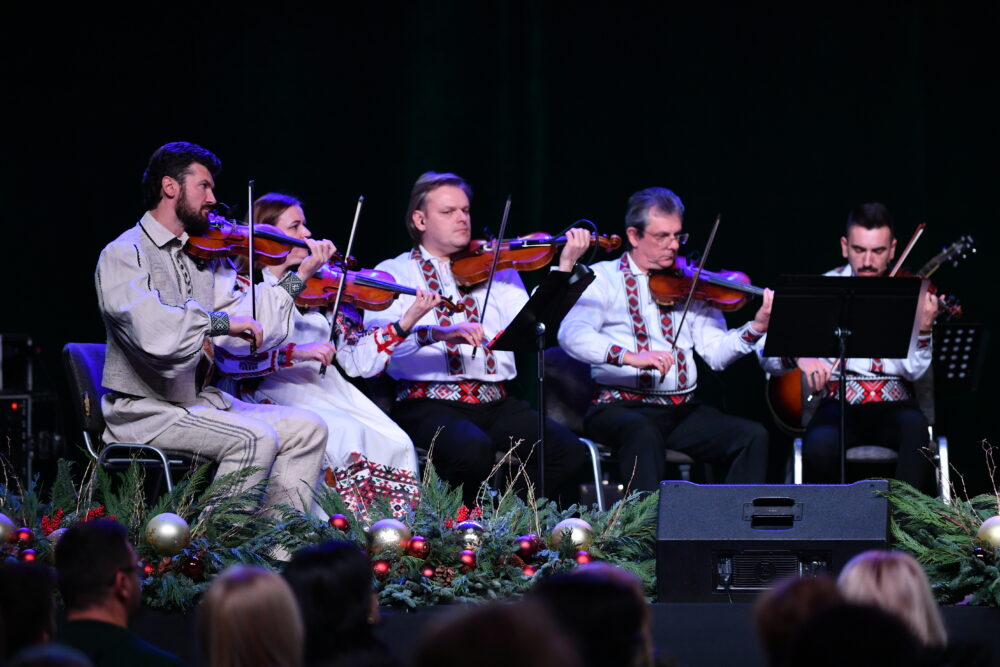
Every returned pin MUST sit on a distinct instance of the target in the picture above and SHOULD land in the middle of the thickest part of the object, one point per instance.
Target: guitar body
(784, 399)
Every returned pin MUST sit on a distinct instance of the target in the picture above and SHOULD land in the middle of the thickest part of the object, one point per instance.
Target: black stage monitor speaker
(726, 543)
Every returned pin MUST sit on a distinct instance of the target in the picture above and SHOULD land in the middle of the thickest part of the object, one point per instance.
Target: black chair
(84, 367)
(568, 392)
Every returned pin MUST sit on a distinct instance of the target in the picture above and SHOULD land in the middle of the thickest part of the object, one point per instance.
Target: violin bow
(694, 284)
(343, 278)
(493, 268)
(908, 248)
(253, 291)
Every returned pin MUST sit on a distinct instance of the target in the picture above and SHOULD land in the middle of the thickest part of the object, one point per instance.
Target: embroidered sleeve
(219, 324)
(423, 336)
(615, 355)
(749, 336)
(292, 284)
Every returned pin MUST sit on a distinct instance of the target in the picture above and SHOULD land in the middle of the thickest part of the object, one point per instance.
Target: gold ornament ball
(581, 534)
(388, 534)
(471, 533)
(990, 532)
(168, 533)
(7, 528)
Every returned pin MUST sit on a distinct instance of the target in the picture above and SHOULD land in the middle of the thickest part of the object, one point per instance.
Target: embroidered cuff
(424, 336)
(219, 324)
(615, 355)
(749, 336)
(285, 356)
(292, 284)
(923, 342)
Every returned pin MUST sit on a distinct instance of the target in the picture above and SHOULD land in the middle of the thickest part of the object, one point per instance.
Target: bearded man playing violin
(163, 309)
(367, 454)
(882, 408)
(644, 367)
(441, 383)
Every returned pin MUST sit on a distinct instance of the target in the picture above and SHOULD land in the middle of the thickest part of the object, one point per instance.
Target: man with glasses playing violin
(882, 407)
(644, 367)
(161, 307)
(441, 382)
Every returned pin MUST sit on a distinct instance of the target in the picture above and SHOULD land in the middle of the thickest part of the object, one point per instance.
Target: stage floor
(699, 635)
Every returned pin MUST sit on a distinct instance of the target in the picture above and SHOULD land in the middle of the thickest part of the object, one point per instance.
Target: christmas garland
(442, 551)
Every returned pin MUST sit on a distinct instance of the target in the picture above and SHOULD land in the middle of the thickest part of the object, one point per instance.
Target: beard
(195, 221)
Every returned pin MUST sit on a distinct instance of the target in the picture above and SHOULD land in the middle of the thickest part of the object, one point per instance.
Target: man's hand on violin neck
(577, 242)
(463, 332)
(929, 310)
(320, 351)
(246, 328)
(763, 317)
(320, 253)
(658, 359)
(423, 303)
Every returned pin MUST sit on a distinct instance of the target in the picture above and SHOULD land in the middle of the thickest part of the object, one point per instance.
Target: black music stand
(536, 326)
(848, 318)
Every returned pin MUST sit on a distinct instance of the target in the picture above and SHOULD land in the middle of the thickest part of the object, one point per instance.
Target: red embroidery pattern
(614, 394)
(361, 481)
(859, 392)
(877, 366)
(639, 331)
(470, 391)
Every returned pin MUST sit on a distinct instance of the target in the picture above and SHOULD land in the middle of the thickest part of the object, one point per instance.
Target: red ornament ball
(468, 559)
(528, 545)
(582, 557)
(193, 567)
(24, 536)
(381, 567)
(529, 570)
(146, 567)
(28, 555)
(340, 522)
(418, 546)
(428, 572)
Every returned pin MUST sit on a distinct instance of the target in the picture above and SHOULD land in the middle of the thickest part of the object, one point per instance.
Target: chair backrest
(569, 389)
(84, 367)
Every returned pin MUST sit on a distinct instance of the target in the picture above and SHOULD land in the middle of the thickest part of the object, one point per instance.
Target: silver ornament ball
(581, 534)
(388, 534)
(168, 533)
(989, 532)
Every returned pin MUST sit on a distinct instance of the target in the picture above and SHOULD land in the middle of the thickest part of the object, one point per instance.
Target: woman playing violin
(366, 451)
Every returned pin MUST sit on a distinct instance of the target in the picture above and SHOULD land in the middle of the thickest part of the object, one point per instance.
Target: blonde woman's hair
(249, 617)
(895, 582)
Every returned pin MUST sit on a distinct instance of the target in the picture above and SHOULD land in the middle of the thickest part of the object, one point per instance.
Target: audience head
(495, 635)
(98, 571)
(894, 581)
(613, 631)
(249, 617)
(333, 571)
(26, 605)
(782, 611)
(49, 655)
(855, 635)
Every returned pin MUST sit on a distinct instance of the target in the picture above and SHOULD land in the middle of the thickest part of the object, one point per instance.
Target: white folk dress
(367, 455)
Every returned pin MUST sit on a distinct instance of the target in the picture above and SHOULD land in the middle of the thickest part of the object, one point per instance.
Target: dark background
(781, 120)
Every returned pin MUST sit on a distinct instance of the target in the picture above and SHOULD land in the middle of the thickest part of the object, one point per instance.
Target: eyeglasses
(665, 239)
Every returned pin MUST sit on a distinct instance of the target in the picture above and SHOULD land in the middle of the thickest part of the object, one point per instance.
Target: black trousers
(640, 434)
(465, 451)
(899, 425)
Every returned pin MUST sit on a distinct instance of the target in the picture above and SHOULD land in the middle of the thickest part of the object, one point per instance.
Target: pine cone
(513, 560)
(444, 574)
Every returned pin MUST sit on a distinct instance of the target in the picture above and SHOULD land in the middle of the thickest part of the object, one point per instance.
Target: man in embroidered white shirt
(882, 408)
(644, 366)
(439, 383)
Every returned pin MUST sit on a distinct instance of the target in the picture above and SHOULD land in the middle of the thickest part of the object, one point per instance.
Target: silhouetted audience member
(333, 585)
(27, 606)
(858, 636)
(249, 618)
(99, 582)
(894, 581)
(601, 608)
(497, 634)
(49, 655)
(782, 611)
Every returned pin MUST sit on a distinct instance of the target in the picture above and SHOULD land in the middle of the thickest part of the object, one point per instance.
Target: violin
(725, 290)
(367, 289)
(228, 238)
(525, 253)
